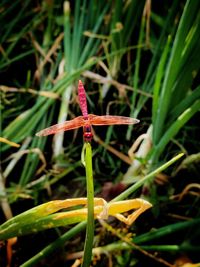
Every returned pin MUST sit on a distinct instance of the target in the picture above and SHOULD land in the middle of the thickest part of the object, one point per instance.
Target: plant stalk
(90, 206)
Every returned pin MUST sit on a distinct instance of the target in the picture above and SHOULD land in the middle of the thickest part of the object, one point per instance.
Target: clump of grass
(150, 55)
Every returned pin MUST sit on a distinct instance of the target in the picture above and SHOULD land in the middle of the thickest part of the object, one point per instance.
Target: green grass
(151, 75)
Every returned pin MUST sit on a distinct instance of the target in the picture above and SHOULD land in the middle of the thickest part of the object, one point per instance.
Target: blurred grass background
(136, 58)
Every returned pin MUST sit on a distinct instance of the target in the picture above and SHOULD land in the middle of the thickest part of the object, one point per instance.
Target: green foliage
(174, 83)
(136, 60)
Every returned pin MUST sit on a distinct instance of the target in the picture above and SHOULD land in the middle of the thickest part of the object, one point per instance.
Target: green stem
(90, 206)
(114, 247)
